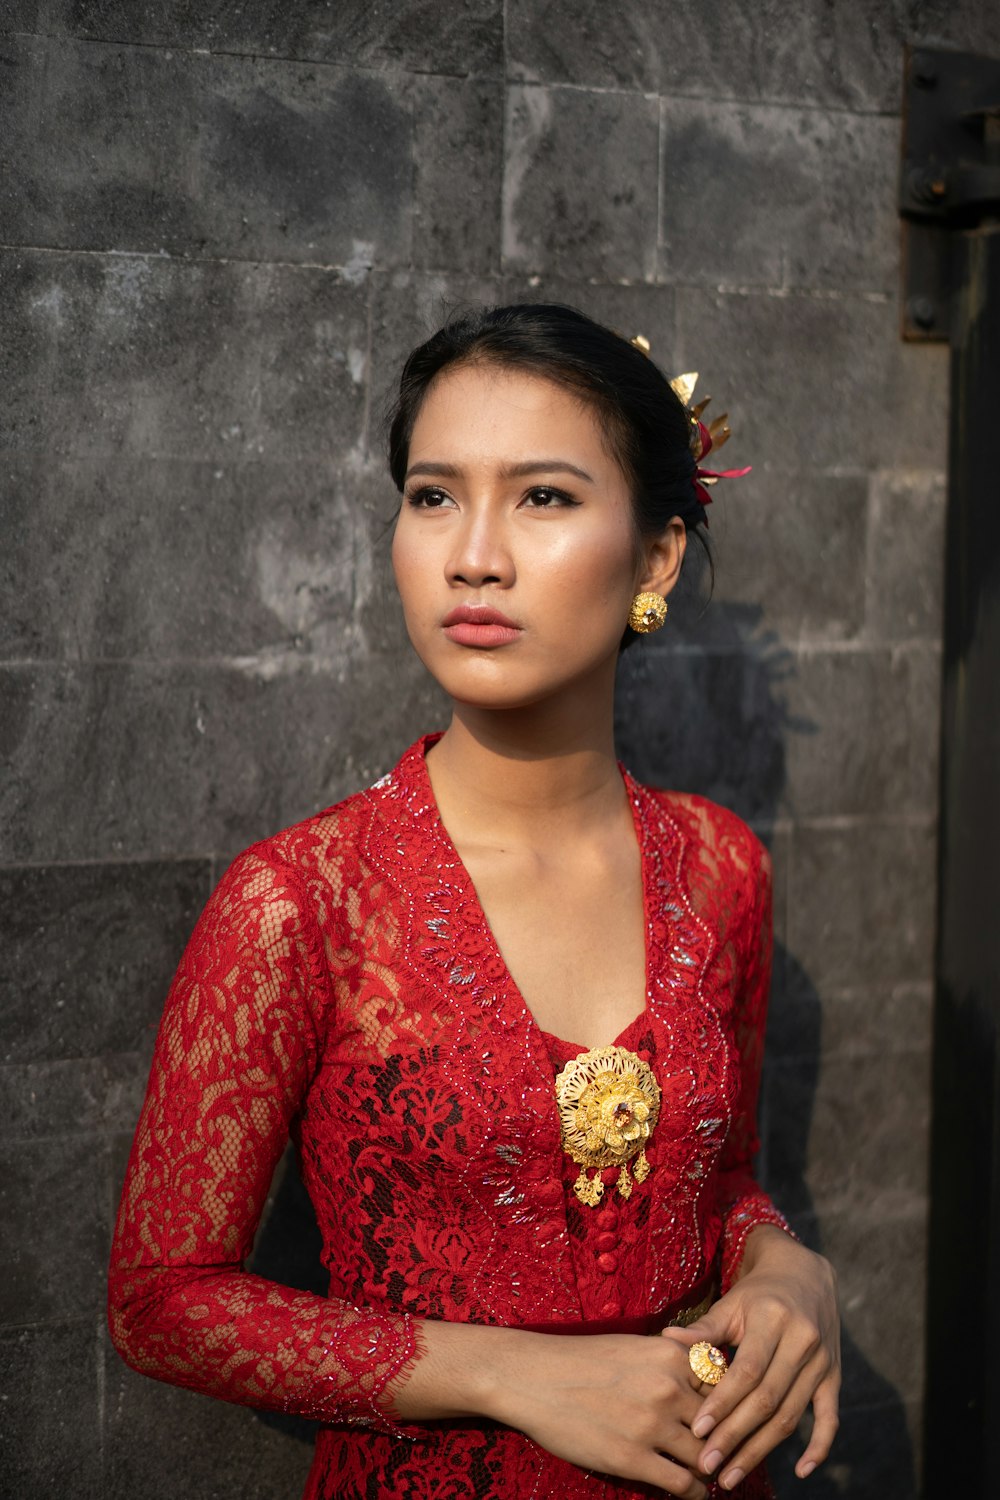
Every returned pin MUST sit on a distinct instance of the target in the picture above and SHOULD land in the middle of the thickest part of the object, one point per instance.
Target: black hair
(646, 426)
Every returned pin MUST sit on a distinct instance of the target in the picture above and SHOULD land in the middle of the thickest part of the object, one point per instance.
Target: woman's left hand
(782, 1316)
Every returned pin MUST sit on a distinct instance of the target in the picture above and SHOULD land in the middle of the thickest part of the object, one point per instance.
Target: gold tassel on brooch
(609, 1103)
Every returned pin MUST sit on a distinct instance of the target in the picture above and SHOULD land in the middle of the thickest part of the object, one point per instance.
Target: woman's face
(515, 553)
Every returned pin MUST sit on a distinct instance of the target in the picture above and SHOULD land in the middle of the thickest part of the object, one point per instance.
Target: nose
(481, 553)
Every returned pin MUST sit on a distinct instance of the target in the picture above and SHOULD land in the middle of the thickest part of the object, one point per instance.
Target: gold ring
(707, 1362)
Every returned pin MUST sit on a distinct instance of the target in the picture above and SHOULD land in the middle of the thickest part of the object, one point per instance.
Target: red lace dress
(343, 985)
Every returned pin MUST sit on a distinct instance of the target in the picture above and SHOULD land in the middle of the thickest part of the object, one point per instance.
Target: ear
(660, 566)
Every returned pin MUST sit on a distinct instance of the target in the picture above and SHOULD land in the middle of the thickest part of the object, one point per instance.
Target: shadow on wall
(872, 1458)
(705, 715)
(703, 710)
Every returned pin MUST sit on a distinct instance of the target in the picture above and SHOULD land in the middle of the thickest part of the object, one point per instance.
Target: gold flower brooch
(609, 1102)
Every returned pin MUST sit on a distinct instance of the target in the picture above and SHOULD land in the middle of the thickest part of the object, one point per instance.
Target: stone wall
(220, 227)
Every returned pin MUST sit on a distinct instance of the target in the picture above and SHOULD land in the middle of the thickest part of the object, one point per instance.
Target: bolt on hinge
(949, 177)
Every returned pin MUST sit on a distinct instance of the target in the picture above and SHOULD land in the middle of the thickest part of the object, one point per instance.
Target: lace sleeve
(745, 1205)
(236, 1049)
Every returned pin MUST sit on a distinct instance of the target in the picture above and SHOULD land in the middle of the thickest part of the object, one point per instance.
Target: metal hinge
(950, 175)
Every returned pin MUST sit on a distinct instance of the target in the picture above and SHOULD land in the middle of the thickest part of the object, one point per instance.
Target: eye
(546, 497)
(429, 497)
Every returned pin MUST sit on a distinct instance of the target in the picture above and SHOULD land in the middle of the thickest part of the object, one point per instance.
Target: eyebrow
(507, 471)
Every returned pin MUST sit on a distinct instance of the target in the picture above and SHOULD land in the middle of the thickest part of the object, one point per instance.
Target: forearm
(235, 1336)
(240, 1338)
(465, 1370)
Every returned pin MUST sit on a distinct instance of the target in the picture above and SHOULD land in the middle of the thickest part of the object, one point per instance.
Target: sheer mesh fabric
(343, 986)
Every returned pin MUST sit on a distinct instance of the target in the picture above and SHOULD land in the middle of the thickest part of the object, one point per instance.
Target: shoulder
(333, 830)
(323, 856)
(713, 832)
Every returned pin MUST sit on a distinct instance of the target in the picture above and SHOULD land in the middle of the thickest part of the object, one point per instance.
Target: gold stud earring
(647, 613)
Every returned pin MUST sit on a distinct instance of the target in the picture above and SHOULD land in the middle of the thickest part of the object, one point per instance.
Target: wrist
(763, 1243)
(464, 1370)
(500, 1377)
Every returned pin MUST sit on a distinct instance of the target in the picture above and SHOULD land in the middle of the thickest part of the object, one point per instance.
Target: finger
(780, 1425)
(706, 1366)
(826, 1405)
(689, 1389)
(752, 1363)
(682, 1447)
(718, 1326)
(762, 1390)
(666, 1475)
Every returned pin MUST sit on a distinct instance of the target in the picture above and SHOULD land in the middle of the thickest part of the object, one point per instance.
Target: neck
(520, 771)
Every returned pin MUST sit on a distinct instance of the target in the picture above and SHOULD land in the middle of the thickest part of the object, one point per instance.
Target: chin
(497, 685)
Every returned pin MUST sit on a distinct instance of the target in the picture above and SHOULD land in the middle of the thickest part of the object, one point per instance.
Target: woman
(510, 1006)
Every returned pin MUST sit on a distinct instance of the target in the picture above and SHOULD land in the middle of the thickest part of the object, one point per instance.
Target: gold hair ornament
(703, 439)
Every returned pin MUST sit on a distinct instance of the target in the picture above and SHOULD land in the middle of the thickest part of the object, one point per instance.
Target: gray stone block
(122, 555)
(792, 544)
(53, 1231)
(904, 578)
(849, 55)
(880, 1263)
(91, 1094)
(381, 615)
(180, 359)
(824, 376)
(21, 15)
(580, 184)
(457, 159)
(868, 1020)
(425, 36)
(90, 950)
(644, 307)
(763, 194)
(849, 1133)
(50, 1431)
(836, 765)
(208, 156)
(223, 1450)
(197, 757)
(407, 308)
(706, 721)
(863, 903)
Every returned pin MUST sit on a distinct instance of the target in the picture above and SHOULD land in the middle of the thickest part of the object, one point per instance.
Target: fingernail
(806, 1470)
(731, 1480)
(703, 1426)
(711, 1461)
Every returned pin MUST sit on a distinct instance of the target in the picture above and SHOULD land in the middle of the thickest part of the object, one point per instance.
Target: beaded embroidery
(343, 984)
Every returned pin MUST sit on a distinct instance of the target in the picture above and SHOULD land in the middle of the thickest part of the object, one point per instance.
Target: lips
(479, 626)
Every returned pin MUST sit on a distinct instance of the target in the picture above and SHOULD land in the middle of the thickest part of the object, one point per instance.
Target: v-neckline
(510, 986)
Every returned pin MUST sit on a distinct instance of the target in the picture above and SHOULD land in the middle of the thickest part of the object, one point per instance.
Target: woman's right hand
(616, 1404)
(610, 1403)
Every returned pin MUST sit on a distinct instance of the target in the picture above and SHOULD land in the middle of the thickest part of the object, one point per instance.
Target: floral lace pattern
(343, 985)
